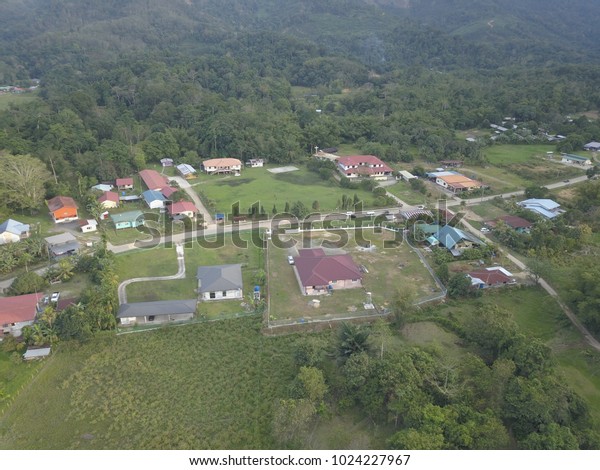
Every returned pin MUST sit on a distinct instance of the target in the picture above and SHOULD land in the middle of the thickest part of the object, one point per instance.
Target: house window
(212, 295)
(151, 318)
(224, 293)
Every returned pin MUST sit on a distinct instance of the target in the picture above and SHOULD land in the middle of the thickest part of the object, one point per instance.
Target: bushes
(27, 283)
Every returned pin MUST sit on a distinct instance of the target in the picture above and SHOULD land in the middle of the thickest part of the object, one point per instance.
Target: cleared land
(258, 184)
(390, 270)
(9, 98)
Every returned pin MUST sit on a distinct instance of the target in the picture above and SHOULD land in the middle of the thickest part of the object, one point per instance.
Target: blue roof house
(456, 240)
(12, 231)
(545, 207)
(154, 199)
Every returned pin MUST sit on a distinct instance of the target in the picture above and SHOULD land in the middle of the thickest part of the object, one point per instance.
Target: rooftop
(317, 269)
(58, 202)
(17, 309)
(13, 226)
(220, 277)
(161, 307)
(153, 179)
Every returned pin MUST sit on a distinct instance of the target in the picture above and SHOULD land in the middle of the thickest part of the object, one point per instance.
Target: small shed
(37, 353)
(185, 170)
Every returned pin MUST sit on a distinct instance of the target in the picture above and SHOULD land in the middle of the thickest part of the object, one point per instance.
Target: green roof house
(129, 219)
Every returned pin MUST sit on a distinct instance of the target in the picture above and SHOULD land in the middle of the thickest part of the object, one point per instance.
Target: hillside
(380, 33)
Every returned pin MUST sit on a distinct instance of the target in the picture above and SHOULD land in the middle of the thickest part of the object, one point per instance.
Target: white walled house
(223, 282)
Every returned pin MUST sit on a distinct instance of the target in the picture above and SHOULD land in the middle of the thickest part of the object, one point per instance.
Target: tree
(291, 420)
(27, 283)
(299, 210)
(492, 328)
(352, 340)
(312, 384)
(22, 179)
(459, 285)
(537, 268)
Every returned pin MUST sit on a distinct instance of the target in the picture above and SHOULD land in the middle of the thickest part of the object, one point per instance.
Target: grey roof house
(221, 282)
(163, 311)
(62, 245)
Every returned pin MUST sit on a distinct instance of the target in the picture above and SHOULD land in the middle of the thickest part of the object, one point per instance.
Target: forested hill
(382, 34)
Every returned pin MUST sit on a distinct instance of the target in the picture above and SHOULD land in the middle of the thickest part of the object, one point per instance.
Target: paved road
(183, 184)
(179, 275)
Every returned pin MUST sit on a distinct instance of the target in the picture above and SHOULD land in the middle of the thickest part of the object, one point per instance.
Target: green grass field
(202, 386)
(257, 184)
(14, 375)
(507, 154)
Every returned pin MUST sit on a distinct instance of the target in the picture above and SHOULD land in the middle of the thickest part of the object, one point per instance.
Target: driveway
(183, 184)
(179, 275)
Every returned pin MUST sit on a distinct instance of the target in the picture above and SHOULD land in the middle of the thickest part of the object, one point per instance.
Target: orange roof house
(62, 209)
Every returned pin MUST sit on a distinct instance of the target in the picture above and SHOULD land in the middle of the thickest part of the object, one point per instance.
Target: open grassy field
(507, 154)
(389, 270)
(257, 184)
(14, 375)
(203, 386)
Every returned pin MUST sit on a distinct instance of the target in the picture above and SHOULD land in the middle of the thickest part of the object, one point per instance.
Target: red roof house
(153, 180)
(363, 165)
(517, 223)
(168, 191)
(318, 273)
(124, 183)
(17, 312)
(62, 209)
(109, 200)
(181, 209)
(490, 277)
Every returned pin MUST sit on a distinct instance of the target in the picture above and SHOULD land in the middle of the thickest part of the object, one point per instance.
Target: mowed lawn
(390, 270)
(201, 386)
(14, 375)
(259, 185)
(212, 251)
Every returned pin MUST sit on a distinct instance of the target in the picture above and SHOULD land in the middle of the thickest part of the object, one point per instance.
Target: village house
(495, 276)
(154, 199)
(88, 225)
(166, 162)
(130, 219)
(518, 224)
(163, 311)
(63, 244)
(222, 165)
(168, 191)
(406, 176)
(62, 209)
(363, 166)
(124, 183)
(102, 187)
(457, 183)
(593, 146)
(575, 160)
(187, 171)
(223, 282)
(12, 231)
(18, 312)
(153, 180)
(109, 200)
(456, 240)
(318, 273)
(255, 163)
(182, 209)
(545, 207)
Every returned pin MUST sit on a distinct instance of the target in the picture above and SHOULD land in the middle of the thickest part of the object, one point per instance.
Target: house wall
(156, 204)
(125, 186)
(88, 228)
(15, 329)
(64, 215)
(157, 319)
(336, 285)
(219, 295)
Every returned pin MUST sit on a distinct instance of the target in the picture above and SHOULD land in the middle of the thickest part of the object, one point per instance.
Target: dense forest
(124, 83)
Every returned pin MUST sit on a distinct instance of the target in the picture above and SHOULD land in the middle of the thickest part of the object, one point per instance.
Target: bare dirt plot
(282, 169)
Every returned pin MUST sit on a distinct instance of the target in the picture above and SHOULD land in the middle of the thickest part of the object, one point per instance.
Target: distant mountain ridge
(40, 33)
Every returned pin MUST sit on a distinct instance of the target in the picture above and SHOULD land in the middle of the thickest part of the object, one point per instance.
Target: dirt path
(179, 275)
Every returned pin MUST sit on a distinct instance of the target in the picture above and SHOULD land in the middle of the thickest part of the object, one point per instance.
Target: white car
(54, 297)
(290, 259)
(484, 230)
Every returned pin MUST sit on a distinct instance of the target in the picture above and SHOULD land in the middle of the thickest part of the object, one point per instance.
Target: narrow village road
(179, 275)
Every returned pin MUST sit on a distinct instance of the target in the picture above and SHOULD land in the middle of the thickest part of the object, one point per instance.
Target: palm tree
(353, 339)
(65, 269)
